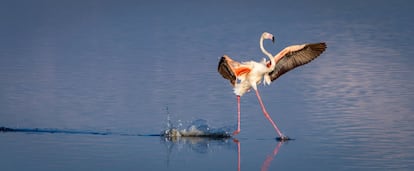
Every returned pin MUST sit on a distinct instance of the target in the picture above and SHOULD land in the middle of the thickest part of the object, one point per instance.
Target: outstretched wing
(294, 56)
(230, 69)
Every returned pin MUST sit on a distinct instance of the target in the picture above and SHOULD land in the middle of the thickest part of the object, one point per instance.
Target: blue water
(129, 67)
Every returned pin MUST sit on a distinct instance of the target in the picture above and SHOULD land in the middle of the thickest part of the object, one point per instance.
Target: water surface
(125, 66)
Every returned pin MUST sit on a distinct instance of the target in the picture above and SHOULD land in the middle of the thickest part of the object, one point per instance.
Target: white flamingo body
(251, 79)
(256, 71)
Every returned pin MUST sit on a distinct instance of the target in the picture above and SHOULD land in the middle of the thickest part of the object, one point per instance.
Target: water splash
(197, 128)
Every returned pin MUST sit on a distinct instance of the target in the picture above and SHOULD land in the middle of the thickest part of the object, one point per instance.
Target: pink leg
(238, 117)
(267, 115)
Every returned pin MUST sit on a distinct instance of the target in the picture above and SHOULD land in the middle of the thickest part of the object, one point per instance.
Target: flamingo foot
(283, 138)
(236, 132)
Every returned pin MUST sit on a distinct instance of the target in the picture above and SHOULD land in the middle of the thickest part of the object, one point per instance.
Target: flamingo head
(269, 36)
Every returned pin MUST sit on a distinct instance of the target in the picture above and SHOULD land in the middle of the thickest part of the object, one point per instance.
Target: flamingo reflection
(268, 160)
(204, 145)
(270, 157)
(238, 153)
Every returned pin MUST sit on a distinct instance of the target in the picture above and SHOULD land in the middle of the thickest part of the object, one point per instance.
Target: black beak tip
(273, 39)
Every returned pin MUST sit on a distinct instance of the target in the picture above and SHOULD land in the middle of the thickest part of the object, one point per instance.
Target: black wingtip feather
(225, 70)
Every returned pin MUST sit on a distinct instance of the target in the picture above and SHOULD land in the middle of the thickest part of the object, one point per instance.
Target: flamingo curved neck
(272, 60)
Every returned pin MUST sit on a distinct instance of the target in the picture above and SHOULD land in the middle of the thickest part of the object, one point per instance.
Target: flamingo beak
(273, 39)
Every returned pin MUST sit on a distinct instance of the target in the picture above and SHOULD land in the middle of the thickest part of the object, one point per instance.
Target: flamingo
(246, 75)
